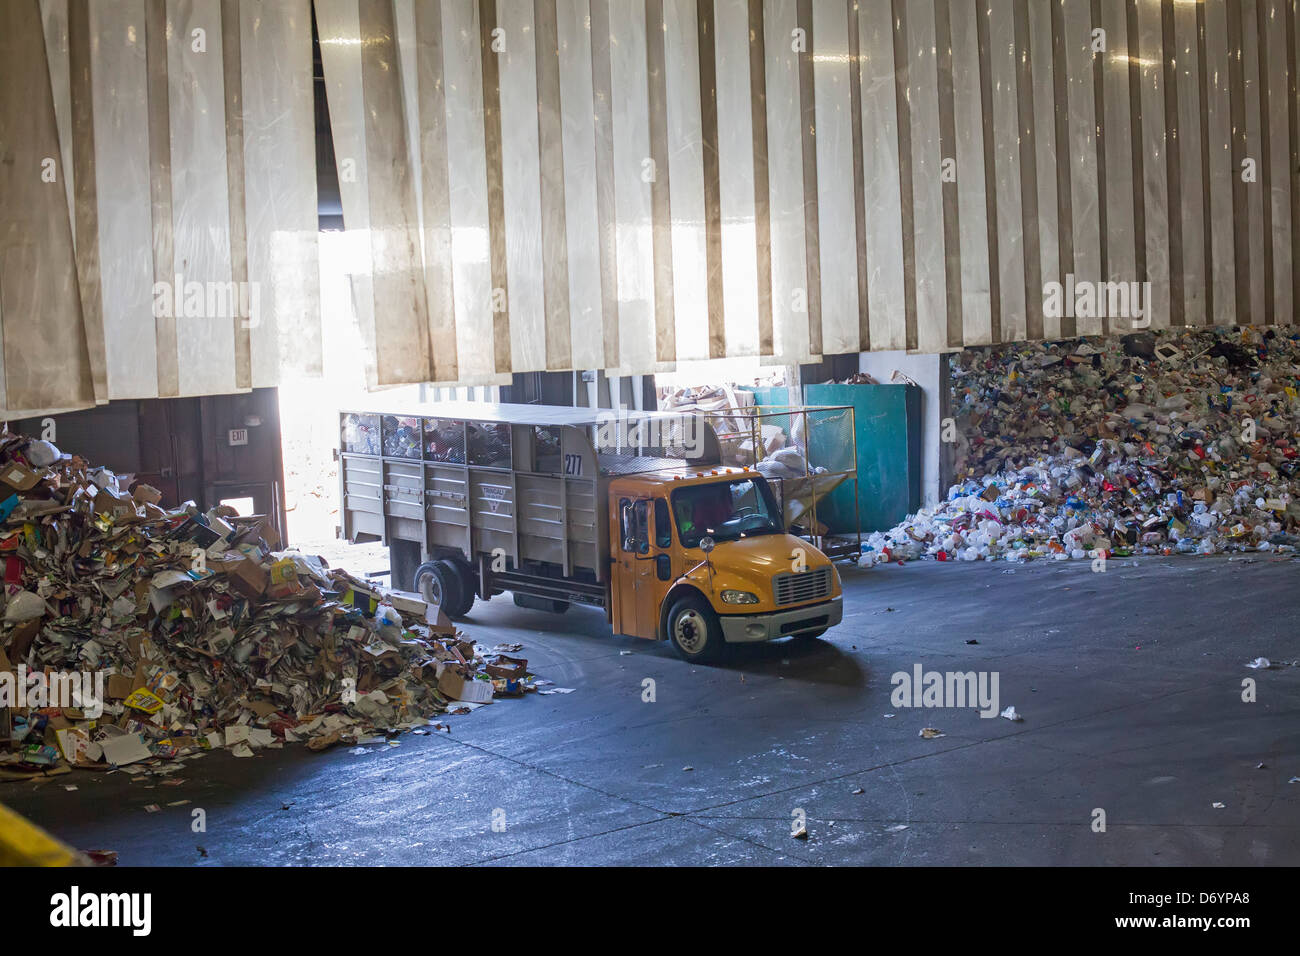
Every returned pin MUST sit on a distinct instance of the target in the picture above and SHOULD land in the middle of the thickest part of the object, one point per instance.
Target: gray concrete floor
(1130, 684)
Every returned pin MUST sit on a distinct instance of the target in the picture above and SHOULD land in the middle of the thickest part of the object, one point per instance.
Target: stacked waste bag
(1149, 443)
(188, 631)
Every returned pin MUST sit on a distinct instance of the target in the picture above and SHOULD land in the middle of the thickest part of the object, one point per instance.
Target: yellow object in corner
(24, 844)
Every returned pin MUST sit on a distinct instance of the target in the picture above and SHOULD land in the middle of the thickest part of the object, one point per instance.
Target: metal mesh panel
(631, 464)
(626, 445)
(489, 444)
(830, 440)
(360, 434)
(402, 436)
(805, 452)
(444, 440)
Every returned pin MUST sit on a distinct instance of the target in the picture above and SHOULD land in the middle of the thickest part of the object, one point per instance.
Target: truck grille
(805, 586)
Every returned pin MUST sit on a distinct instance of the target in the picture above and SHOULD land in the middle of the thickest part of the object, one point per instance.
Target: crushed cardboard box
(194, 632)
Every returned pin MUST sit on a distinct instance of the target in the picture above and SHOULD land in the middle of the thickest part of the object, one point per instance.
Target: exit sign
(238, 436)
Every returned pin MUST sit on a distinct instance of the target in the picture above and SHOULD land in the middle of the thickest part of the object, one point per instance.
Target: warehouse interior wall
(625, 184)
(163, 167)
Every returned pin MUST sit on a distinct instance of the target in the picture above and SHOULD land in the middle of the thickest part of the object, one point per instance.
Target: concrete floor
(1130, 684)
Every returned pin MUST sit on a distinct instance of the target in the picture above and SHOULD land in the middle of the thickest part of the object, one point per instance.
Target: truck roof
(516, 414)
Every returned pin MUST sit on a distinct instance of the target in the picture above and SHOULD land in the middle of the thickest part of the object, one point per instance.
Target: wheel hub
(690, 631)
(431, 589)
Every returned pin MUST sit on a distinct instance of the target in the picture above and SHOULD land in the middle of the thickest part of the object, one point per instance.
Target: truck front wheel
(694, 630)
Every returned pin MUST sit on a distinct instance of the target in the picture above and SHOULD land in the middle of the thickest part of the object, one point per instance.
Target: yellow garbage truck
(629, 512)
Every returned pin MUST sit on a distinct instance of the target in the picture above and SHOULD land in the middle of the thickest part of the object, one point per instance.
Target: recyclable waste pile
(1153, 443)
(131, 634)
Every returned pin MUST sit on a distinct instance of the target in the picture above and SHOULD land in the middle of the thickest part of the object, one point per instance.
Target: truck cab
(702, 559)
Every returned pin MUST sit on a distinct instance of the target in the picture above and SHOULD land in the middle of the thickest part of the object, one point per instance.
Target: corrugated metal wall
(621, 184)
(158, 230)
(626, 183)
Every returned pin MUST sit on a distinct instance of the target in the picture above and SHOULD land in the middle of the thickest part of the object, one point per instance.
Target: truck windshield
(726, 510)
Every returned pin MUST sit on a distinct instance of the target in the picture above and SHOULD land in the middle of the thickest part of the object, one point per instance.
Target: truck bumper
(751, 628)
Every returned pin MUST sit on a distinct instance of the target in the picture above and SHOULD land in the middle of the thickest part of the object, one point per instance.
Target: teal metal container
(888, 423)
(779, 395)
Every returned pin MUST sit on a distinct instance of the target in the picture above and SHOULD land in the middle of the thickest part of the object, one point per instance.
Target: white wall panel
(1006, 139)
(340, 44)
(121, 130)
(521, 177)
(1194, 187)
(885, 297)
(1279, 160)
(836, 225)
(280, 189)
(1220, 174)
(469, 207)
(1154, 171)
(1085, 203)
(1044, 92)
(736, 193)
(581, 219)
(968, 117)
(686, 179)
(1254, 211)
(54, 16)
(1121, 254)
(785, 183)
(46, 363)
(200, 191)
(927, 193)
(635, 250)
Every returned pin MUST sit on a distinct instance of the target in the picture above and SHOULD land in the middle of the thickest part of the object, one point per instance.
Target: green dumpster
(888, 422)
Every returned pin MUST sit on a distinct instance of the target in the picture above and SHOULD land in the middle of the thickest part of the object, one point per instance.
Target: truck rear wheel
(694, 630)
(468, 585)
(438, 583)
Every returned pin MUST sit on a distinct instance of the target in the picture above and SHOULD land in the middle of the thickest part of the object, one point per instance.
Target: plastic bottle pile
(1154, 443)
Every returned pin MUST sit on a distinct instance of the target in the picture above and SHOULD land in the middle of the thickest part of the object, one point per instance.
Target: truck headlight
(739, 597)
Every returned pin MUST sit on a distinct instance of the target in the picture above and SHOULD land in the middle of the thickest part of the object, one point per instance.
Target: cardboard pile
(131, 634)
(1153, 443)
(713, 399)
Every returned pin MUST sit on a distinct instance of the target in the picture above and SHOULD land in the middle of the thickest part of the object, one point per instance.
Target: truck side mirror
(706, 543)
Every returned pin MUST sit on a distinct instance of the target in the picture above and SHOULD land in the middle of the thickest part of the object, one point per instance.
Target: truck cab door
(636, 588)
